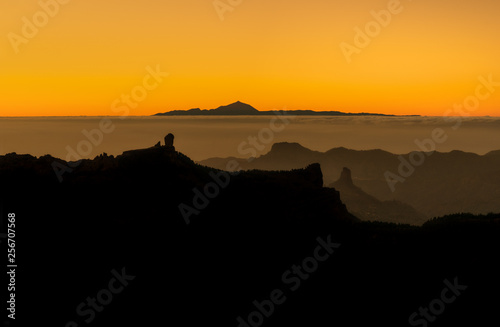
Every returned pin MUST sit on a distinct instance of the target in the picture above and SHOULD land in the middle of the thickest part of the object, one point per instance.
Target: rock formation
(368, 208)
(169, 140)
(345, 177)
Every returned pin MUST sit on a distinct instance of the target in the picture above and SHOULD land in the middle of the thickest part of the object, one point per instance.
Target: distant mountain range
(242, 109)
(445, 183)
(368, 208)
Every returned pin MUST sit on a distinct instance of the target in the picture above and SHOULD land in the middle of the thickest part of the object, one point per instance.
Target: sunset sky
(272, 54)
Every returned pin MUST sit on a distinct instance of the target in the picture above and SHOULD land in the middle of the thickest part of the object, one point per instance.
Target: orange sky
(272, 54)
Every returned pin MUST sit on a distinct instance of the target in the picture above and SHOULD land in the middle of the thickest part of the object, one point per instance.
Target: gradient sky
(272, 54)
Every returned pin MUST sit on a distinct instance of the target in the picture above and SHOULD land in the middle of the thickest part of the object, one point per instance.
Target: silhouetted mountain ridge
(368, 208)
(241, 109)
(444, 183)
(122, 214)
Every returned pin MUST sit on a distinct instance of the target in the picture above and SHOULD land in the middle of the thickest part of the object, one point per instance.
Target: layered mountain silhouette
(241, 109)
(445, 183)
(367, 207)
(249, 236)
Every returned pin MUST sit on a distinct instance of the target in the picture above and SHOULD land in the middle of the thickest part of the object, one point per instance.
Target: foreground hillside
(264, 237)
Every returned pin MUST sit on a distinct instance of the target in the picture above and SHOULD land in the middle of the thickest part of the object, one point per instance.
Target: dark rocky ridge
(445, 183)
(368, 208)
(122, 212)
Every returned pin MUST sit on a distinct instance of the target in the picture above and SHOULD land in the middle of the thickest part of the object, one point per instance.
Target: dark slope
(444, 183)
(122, 213)
(368, 208)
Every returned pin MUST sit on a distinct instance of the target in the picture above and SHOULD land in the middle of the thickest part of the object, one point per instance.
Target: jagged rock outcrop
(445, 184)
(367, 207)
(345, 178)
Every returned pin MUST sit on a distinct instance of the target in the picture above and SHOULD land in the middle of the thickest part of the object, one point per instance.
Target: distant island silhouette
(242, 109)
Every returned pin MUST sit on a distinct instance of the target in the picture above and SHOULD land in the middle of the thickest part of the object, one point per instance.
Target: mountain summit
(292, 148)
(237, 108)
(234, 109)
(345, 178)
